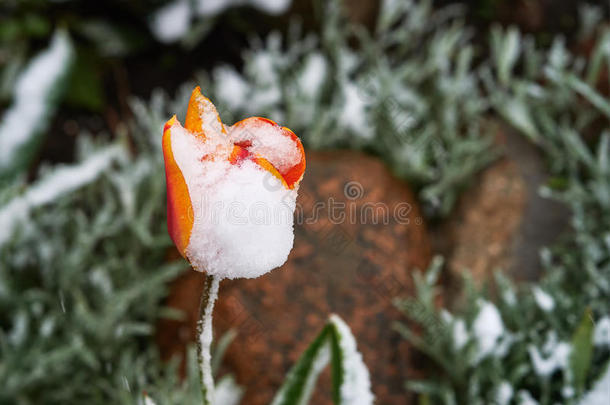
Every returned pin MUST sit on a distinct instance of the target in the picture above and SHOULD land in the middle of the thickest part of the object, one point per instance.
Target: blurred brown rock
(348, 265)
(501, 222)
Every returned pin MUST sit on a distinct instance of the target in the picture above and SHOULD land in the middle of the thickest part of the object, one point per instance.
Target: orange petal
(179, 208)
(265, 164)
(293, 174)
(238, 154)
(201, 115)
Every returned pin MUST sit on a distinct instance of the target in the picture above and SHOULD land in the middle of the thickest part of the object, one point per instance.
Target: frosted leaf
(553, 356)
(214, 7)
(33, 95)
(172, 21)
(271, 6)
(313, 75)
(460, 334)
(353, 115)
(230, 87)
(487, 328)
(525, 398)
(601, 335)
(57, 183)
(504, 393)
(543, 299)
(356, 387)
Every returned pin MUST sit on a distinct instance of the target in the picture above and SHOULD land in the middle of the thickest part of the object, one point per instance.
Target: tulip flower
(231, 195)
(231, 190)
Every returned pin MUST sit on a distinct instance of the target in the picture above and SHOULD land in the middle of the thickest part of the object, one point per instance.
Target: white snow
(263, 66)
(553, 356)
(313, 75)
(214, 7)
(460, 334)
(509, 297)
(205, 340)
(356, 387)
(171, 21)
(488, 328)
(525, 398)
(61, 181)
(600, 393)
(543, 299)
(148, 400)
(353, 114)
(268, 141)
(230, 87)
(567, 391)
(243, 215)
(271, 6)
(32, 97)
(601, 334)
(504, 393)
(227, 392)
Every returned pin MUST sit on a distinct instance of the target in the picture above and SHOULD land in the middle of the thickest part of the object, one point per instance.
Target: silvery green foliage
(82, 273)
(189, 21)
(82, 276)
(550, 340)
(36, 92)
(410, 93)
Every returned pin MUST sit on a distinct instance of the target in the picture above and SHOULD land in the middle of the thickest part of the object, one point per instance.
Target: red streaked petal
(291, 175)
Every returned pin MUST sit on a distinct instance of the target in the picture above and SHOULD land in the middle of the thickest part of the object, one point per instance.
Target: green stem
(204, 338)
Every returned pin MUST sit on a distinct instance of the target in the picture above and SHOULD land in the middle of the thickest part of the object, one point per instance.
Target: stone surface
(501, 222)
(341, 263)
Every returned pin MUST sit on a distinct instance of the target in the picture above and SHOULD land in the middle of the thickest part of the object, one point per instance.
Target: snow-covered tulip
(231, 190)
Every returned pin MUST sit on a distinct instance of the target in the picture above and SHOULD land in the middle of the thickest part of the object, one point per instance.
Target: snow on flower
(231, 190)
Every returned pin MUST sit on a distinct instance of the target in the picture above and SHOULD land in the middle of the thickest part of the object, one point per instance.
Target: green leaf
(351, 381)
(589, 93)
(86, 89)
(350, 376)
(299, 383)
(582, 351)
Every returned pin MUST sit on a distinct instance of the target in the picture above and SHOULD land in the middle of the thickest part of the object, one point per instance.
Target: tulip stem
(204, 338)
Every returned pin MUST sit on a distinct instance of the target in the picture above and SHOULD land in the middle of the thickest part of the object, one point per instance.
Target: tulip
(231, 195)
(231, 191)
